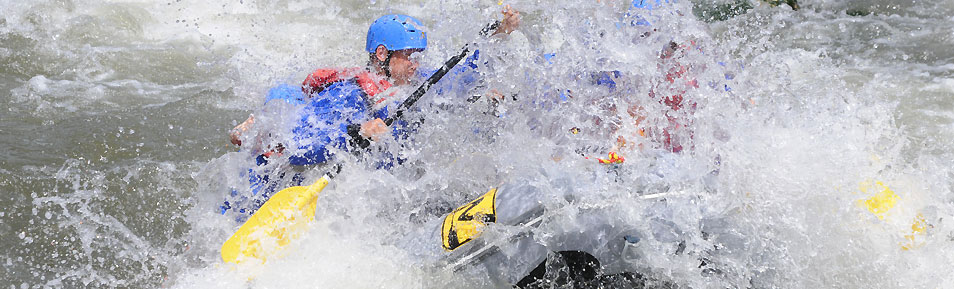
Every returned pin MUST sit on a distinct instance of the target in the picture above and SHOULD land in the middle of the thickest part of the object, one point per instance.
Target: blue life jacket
(337, 101)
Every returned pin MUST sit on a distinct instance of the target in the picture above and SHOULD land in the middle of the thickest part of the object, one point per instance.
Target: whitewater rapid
(114, 151)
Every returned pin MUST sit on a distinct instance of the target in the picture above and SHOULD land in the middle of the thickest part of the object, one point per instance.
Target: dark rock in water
(721, 12)
(790, 3)
(857, 12)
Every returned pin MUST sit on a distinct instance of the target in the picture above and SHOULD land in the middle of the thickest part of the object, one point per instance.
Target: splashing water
(815, 144)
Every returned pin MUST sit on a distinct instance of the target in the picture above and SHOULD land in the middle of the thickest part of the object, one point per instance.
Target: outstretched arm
(235, 135)
(510, 22)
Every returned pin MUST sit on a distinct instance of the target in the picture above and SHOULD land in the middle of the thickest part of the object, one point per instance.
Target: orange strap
(612, 158)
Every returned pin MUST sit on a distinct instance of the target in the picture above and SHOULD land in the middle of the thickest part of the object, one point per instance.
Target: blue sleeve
(288, 93)
(460, 79)
(324, 123)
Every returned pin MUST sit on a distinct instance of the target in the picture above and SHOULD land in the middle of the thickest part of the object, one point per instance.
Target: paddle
(450, 63)
(283, 217)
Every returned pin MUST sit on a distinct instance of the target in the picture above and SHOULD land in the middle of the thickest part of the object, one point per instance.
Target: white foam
(801, 128)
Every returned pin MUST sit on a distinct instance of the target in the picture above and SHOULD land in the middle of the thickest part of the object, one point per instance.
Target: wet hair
(383, 65)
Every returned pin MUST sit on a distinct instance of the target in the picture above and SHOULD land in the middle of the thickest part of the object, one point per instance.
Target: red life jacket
(370, 83)
(676, 82)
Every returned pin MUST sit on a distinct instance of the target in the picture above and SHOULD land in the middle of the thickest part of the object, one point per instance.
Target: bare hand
(494, 95)
(373, 129)
(510, 22)
(235, 135)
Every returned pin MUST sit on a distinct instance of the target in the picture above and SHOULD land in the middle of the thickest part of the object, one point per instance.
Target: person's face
(404, 64)
(668, 50)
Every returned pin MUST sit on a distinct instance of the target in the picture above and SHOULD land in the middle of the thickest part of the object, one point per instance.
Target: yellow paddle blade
(881, 202)
(281, 219)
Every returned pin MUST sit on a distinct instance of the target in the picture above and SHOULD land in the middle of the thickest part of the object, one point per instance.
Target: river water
(114, 154)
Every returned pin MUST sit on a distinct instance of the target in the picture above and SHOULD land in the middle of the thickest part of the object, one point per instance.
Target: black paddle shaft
(426, 85)
(448, 65)
(353, 129)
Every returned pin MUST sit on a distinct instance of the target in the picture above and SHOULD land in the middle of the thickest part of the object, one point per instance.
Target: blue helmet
(396, 32)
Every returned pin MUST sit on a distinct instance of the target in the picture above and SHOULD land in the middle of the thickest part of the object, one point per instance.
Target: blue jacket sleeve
(324, 123)
(288, 93)
(460, 79)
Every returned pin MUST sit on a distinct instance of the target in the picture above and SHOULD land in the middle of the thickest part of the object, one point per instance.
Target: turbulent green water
(114, 152)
